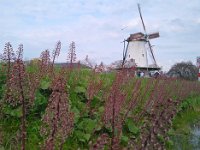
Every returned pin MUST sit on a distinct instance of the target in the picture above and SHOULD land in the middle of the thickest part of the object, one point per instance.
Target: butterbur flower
(55, 53)
(8, 56)
(72, 53)
(17, 93)
(20, 52)
(113, 106)
(101, 142)
(45, 63)
(114, 101)
(94, 86)
(17, 84)
(58, 120)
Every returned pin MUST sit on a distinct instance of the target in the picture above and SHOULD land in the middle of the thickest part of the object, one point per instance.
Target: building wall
(136, 51)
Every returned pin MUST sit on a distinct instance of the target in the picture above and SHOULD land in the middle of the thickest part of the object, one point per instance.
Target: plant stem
(23, 111)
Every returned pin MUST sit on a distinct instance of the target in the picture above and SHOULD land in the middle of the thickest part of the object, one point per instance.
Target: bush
(184, 70)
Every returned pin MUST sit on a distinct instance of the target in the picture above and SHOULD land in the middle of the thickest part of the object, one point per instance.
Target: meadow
(43, 106)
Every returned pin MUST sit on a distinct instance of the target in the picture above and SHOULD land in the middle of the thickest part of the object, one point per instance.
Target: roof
(136, 36)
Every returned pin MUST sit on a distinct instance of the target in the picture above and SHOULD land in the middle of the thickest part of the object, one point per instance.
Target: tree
(184, 70)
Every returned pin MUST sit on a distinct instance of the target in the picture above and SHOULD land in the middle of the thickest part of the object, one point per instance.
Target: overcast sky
(95, 26)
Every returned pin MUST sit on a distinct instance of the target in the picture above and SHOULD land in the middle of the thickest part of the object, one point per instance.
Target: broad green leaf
(98, 127)
(86, 136)
(77, 114)
(80, 89)
(81, 106)
(101, 109)
(45, 84)
(17, 112)
(2, 148)
(96, 102)
(169, 143)
(87, 125)
(131, 126)
(160, 138)
(124, 140)
(81, 136)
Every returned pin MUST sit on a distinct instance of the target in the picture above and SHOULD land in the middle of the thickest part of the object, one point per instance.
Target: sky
(95, 26)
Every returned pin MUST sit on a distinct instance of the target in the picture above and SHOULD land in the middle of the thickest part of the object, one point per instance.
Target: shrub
(184, 70)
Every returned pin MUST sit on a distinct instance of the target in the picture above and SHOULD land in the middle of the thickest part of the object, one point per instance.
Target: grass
(181, 130)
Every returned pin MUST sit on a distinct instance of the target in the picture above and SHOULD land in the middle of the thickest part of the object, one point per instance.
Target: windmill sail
(142, 19)
(148, 36)
(153, 35)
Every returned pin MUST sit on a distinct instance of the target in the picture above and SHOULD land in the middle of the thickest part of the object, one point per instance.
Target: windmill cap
(136, 36)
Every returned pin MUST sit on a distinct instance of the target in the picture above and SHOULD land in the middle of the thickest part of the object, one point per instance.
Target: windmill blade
(153, 35)
(124, 49)
(139, 9)
(151, 50)
(123, 59)
(124, 52)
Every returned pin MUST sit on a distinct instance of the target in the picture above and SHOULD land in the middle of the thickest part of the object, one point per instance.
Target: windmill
(138, 48)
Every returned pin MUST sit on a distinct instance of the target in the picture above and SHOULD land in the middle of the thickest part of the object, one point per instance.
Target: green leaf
(101, 109)
(86, 136)
(169, 143)
(124, 140)
(81, 106)
(17, 112)
(87, 125)
(2, 148)
(131, 126)
(98, 127)
(77, 114)
(83, 137)
(39, 99)
(96, 102)
(160, 138)
(80, 89)
(45, 84)
(40, 104)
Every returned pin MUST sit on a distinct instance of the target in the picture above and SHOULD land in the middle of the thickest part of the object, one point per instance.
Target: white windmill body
(136, 51)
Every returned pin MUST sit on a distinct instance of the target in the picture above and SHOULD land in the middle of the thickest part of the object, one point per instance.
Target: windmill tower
(138, 48)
